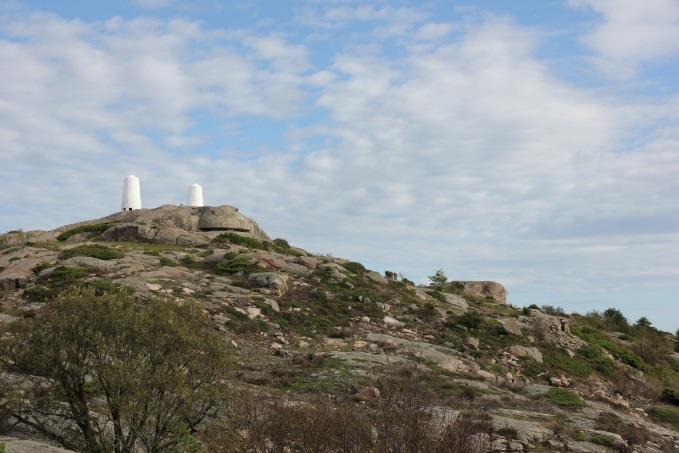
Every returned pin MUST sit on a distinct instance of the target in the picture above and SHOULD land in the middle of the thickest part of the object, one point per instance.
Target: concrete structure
(195, 196)
(131, 194)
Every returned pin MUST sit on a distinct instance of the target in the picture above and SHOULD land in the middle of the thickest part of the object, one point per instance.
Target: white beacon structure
(131, 194)
(195, 196)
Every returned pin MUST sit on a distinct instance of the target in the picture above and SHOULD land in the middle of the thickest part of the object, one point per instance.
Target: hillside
(309, 328)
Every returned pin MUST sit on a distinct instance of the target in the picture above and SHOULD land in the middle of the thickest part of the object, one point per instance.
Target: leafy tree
(616, 319)
(439, 278)
(643, 322)
(111, 373)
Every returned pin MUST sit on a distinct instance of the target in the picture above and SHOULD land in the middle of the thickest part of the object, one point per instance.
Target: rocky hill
(302, 325)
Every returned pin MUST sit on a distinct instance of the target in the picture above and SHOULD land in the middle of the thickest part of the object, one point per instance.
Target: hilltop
(303, 326)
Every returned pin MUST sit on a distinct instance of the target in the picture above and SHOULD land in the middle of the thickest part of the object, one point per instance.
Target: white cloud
(467, 154)
(632, 33)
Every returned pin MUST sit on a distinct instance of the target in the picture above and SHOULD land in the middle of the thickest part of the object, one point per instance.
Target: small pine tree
(642, 322)
(439, 278)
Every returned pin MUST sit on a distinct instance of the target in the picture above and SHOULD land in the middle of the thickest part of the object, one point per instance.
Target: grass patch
(596, 338)
(244, 241)
(668, 415)
(354, 267)
(92, 250)
(96, 228)
(563, 397)
(558, 361)
(600, 439)
(165, 261)
(238, 264)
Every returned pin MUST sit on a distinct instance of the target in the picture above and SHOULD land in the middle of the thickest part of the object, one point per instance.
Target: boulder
(488, 289)
(512, 326)
(271, 280)
(555, 330)
(472, 342)
(171, 224)
(14, 445)
(457, 303)
(532, 353)
(392, 322)
(366, 394)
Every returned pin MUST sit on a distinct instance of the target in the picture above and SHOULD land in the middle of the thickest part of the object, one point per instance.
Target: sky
(533, 143)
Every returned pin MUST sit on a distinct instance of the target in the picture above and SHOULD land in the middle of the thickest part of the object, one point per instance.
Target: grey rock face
(271, 280)
(171, 224)
(490, 289)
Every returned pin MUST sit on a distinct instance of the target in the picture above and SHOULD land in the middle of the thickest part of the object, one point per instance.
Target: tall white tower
(195, 196)
(131, 193)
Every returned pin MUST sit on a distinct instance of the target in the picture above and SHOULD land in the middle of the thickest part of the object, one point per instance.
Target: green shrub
(670, 396)
(240, 263)
(64, 275)
(600, 439)
(96, 228)
(665, 414)
(92, 250)
(596, 337)
(354, 267)
(41, 267)
(165, 261)
(281, 243)
(471, 319)
(557, 360)
(563, 397)
(244, 241)
(594, 355)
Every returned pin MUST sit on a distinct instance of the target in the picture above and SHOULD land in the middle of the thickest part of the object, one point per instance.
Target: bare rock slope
(301, 324)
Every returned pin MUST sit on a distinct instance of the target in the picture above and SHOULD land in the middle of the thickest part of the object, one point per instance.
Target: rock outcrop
(488, 289)
(171, 224)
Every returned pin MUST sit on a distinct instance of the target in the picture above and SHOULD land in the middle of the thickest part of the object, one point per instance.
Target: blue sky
(534, 143)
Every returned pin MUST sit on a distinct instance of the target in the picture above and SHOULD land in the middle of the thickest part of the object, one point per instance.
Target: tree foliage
(112, 373)
(439, 278)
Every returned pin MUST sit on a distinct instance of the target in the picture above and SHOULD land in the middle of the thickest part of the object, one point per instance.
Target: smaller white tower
(131, 194)
(195, 197)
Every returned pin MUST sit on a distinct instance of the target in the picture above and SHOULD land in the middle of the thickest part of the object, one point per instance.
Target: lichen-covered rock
(272, 280)
(489, 289)
(171, 224)
(526, 352)
(555, 330)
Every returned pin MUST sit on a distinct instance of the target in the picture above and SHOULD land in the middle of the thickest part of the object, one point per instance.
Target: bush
(245, 241)
(554, 311)
(471, 319)
(281, 243)
(165, 261)
(354, 268)
(668, 415)
(616, 319)
(95, 251)
(563, 397)
(439, 278)
(97, 228)
(402, 419)
(670, 396)
(118, 374)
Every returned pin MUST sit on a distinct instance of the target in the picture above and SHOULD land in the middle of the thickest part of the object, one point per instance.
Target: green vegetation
(92, 250)
(165, 261)
(643, 322)
(597, 337)
(600, 439)
(471, 319)
(563, 397)
(119, 374)
(558, 361)
(354, 268)
(670, 396)
(668, 415)
(676, 341)
(238, 264)
(96, 228)
(439, 278)
(41, 267)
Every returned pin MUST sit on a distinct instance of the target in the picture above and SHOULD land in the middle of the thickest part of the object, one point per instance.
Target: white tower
(195, 197)
(131, 194)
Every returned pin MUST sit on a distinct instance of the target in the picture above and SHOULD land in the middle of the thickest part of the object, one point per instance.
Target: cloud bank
(451, 144)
